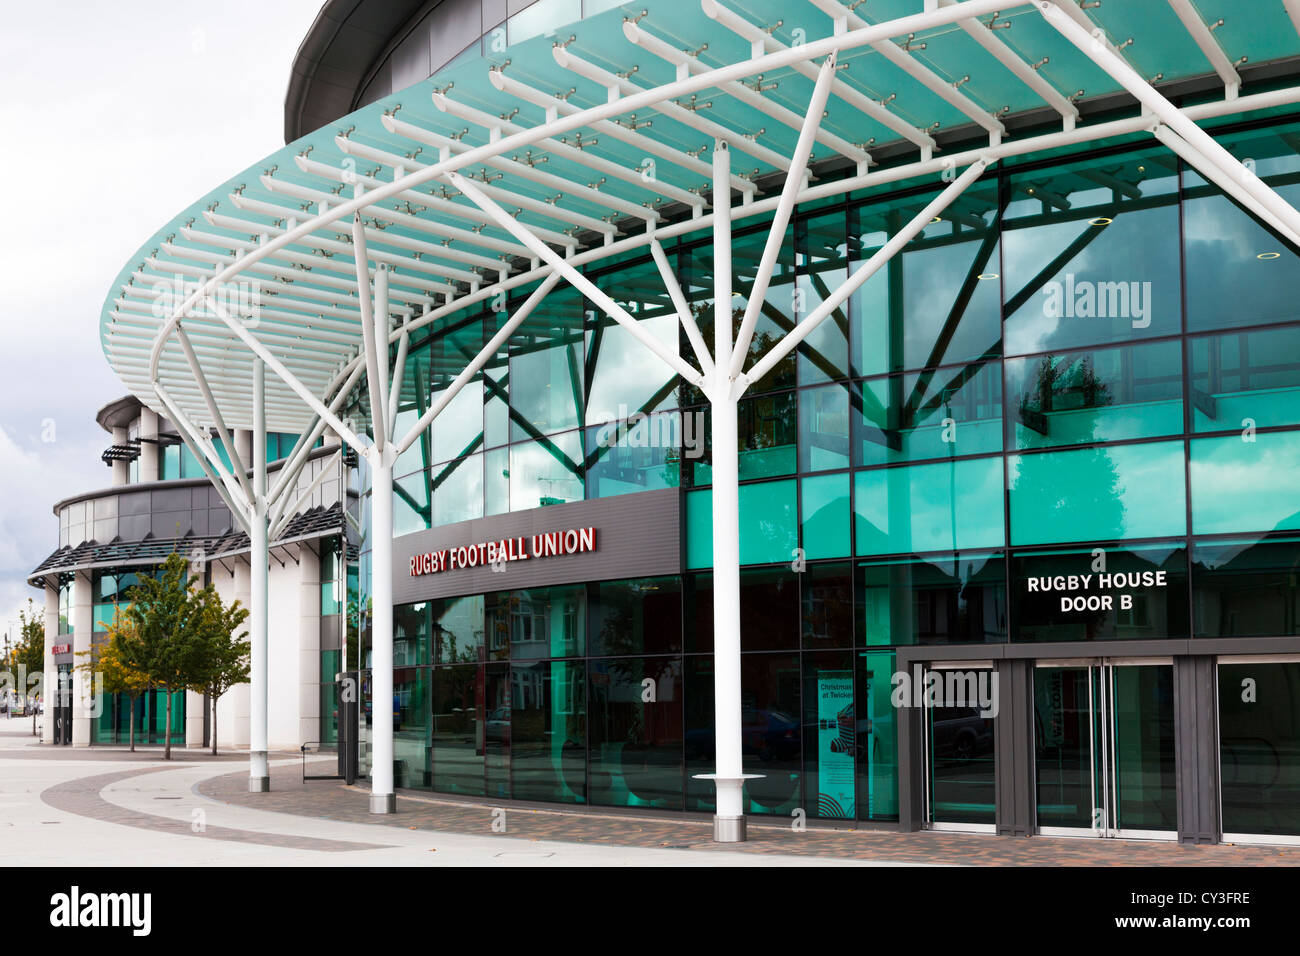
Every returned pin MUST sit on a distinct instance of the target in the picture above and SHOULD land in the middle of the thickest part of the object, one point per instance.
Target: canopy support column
(382, 797)
(728, 776)
(259, 773)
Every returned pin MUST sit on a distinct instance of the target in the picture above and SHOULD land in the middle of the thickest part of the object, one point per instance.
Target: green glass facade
(1091, 359)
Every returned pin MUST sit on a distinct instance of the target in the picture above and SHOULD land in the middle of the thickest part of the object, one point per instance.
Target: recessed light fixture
(1100, 221)
(1269, 255)
(987, 275)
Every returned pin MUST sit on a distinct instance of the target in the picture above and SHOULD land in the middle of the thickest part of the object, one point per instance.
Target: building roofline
(271, 468)
(119, 413)
(338, 54)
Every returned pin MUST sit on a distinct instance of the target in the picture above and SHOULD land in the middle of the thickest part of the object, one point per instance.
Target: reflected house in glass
(835, 361)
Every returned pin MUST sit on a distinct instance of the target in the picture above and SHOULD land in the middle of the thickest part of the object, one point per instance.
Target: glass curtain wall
(1088, 365)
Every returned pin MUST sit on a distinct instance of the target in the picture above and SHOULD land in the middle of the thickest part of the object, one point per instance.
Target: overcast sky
(114, 116)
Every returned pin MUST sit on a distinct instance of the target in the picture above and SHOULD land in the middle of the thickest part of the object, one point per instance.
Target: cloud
(125, 117)
(33, 476)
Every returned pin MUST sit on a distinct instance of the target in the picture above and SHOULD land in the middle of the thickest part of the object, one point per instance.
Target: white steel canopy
(598, 135)
(266, 302)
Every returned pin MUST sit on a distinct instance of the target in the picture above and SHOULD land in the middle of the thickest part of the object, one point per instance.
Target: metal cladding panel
(637, 535)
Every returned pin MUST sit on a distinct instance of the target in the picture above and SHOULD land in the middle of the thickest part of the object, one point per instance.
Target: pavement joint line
(83, 796)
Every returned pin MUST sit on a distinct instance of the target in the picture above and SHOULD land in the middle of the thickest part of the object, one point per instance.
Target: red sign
(550, 544)
(61, 648)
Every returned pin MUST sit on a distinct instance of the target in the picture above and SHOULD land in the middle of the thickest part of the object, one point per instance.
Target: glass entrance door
(960, 782)
(1104, 748)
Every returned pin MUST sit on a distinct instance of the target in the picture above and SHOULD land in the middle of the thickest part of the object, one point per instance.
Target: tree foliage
(184, 636)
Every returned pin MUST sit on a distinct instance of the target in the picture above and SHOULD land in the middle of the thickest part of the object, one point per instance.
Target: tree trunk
(167, 733)
(214, 724)
(132, 732)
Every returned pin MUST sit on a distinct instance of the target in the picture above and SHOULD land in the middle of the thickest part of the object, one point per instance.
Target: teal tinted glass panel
(768, 435)
(1061, 595)
(496, 481)
(412, 626)
(546, 369)
(1259, 747)
(776, 317)
(826, 519)
(642, 454)
(634, 745)
(457, 490)
(878, 752)
(770, 717)
(548, 622)
(496, 405)
(1098, 494)
(1238, 272)
(458, 629)
(411, 507)
(1090, 254)
(935, 303)
(458, 429)
(1240, 378)
(1108, 394)
(941, 599)
(931, 414)
(103, 616)
(1246, 483)
(1246, 587)
(768, 428)
(411, 726)
(821, 245)
(546, 472)
(331, 662)
(413, 402)
(623, 377)
(640, 616)
(824, 428)
(944, 506)
(768, 522)
(830, 742)
(699, 529)
(459, 729)
(548, 731)
(1142, 728)
(542, 17)
(826, 599)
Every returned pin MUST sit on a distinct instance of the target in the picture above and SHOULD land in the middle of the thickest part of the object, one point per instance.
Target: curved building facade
(160, 502)
(1017, 526)
(1053, 444)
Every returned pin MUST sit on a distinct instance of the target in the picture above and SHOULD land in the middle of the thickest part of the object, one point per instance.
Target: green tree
(220, 658)
(28, 655)
(168, 623)
(111, 660)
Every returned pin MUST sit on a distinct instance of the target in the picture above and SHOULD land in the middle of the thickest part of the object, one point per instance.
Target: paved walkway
(61, 805)
(334, 801)
(64, 806)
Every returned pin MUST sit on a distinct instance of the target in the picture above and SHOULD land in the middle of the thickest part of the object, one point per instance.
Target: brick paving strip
(332, 800)
(82, 796)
